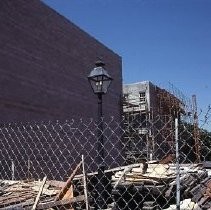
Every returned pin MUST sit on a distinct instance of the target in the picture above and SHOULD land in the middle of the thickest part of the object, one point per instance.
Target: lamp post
(100, 81)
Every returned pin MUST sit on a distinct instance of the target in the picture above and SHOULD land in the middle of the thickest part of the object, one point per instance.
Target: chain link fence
(132, 163)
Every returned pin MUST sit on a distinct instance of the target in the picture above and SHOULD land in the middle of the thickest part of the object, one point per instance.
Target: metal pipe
(13, 169)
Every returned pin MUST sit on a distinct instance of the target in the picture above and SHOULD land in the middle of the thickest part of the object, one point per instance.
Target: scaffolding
(150, 121)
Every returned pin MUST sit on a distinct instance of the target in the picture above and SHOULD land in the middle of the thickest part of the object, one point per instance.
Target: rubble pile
(142, 186)
(156, 187)
(31, 195)
(23, 194)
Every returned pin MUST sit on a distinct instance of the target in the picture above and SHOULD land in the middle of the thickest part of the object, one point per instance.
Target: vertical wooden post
(85, 184)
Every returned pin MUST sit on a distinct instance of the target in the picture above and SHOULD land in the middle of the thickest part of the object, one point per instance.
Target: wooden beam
(52, 204)
(85, 184)
(121, 168)
(127, 169)
(68, 183)
(39, 193)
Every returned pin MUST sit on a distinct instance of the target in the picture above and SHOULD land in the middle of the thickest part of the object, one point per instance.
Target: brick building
(149, 118)
(44, 63)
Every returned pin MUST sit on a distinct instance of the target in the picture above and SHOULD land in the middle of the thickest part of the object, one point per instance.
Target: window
(142, 96)
(125, 96)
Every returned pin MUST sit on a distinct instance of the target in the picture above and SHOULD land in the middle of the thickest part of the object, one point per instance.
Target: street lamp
(100, 81)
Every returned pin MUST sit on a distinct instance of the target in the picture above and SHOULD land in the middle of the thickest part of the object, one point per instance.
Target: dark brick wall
(44, 63)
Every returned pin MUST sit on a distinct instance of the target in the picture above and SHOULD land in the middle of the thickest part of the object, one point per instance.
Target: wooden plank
(121, 168)
(208, 189)
(85, 184)
(52, 204)
(8, 197)
(19, 206)
(49, 192)
(69, 193)
(39, 193)
(55, 183)
(127, 169)
(15, 200)
(68, 183)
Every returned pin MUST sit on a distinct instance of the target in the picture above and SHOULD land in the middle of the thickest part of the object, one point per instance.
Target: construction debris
(39, 193)
(32, 195)
(201, 194)
(138, 186)
(65, 189)
(25, 195)
(157, 186)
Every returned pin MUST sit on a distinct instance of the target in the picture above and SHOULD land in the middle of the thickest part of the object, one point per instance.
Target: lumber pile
(201, 194)
(156, 186)
(143, 186)
(23, 194)
(26, 194)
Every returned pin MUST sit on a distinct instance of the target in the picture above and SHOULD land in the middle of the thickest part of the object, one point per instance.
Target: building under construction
(149, 120)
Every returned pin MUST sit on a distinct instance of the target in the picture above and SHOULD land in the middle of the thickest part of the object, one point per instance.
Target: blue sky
(159, 40)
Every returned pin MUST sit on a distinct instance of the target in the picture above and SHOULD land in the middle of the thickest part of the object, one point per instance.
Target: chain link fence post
(177, 164)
